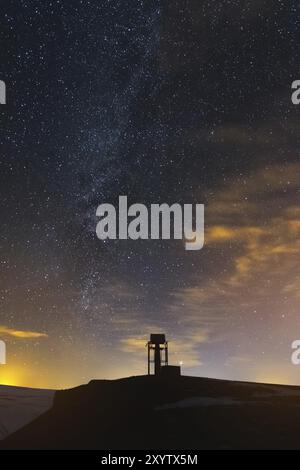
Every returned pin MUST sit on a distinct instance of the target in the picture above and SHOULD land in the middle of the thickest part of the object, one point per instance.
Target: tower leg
(157, 359)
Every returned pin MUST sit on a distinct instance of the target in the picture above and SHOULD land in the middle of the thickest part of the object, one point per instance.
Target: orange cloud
(132, 344)
(20, 334)
(222, 233)
(183, 351)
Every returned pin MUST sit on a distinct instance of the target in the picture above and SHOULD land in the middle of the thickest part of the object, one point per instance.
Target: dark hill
(166, 413)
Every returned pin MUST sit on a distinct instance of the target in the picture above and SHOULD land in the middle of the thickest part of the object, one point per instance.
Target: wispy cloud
(185, 350)
(262, 237)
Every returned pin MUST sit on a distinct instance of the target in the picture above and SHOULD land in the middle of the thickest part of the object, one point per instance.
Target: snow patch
(19, 406)
(201, 401)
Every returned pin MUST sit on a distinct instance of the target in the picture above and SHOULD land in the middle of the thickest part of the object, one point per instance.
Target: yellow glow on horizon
(11, 376)
(273, 377)
(23, 375)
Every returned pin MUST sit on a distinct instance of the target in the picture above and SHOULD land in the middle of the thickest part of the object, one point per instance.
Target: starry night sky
(174, 101)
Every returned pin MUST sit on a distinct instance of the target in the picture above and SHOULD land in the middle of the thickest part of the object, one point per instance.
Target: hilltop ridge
(148, 412)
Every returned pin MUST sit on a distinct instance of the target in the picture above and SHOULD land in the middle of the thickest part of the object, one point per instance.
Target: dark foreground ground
(178, 413)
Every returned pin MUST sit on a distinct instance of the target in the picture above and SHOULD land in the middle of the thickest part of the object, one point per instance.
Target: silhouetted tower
(159, 357)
